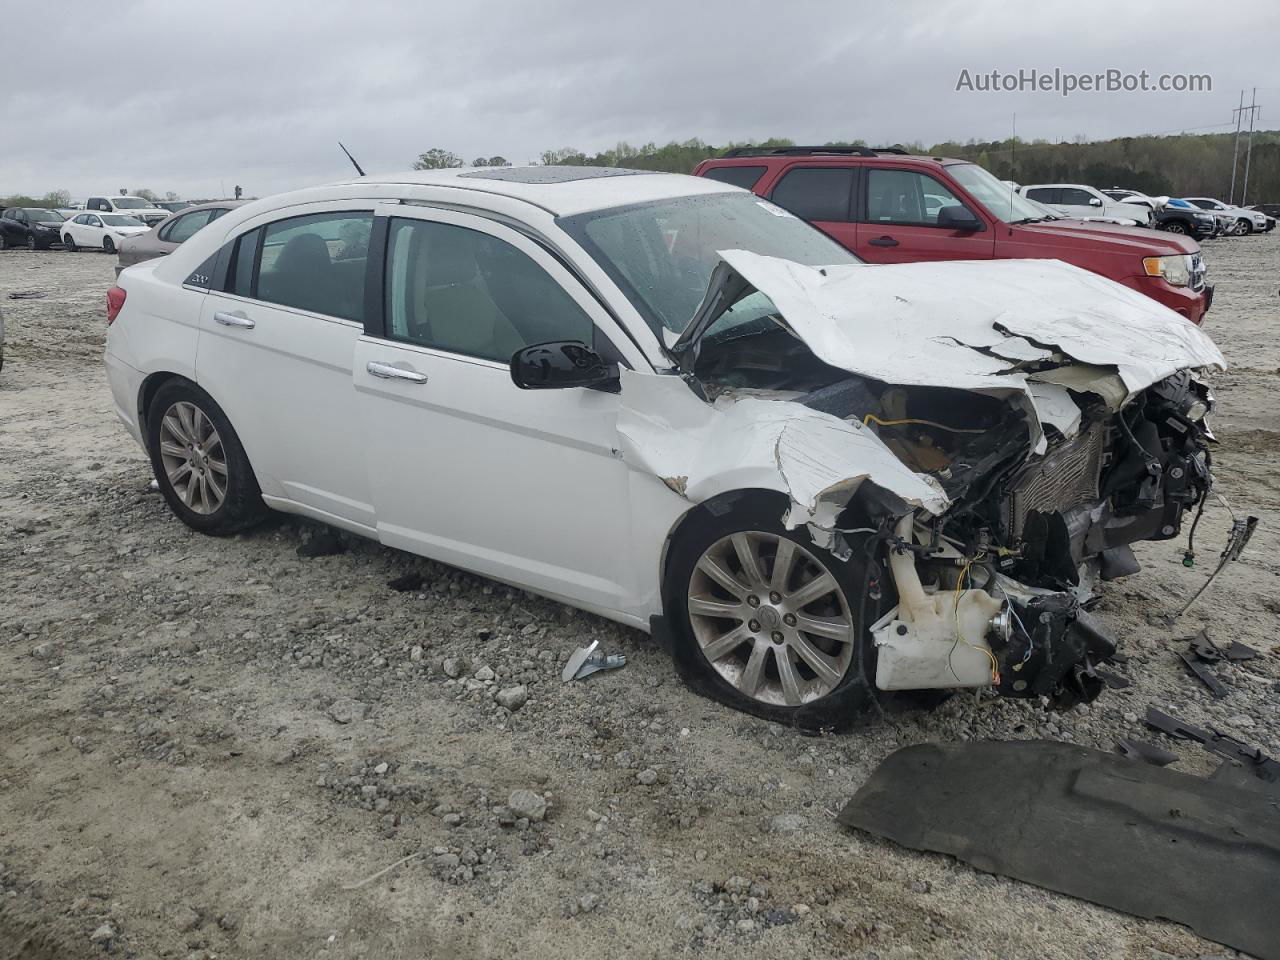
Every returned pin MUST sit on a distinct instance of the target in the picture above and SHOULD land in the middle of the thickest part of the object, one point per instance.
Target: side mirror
(560, 364)
(959, 217)
(1095, 202)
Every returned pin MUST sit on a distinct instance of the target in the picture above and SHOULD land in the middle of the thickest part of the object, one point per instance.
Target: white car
(1120, 195)
(664, 400)
(100, 231)
(1243, 220)
(137, 207)
(1078, 200)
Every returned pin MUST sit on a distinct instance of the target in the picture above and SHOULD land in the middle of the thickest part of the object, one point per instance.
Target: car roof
(559, 190)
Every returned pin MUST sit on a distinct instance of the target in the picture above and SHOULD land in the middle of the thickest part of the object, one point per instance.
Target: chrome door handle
(232, 320)
(389, 371)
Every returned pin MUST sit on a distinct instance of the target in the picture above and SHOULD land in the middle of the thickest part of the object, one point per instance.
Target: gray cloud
(196, 97)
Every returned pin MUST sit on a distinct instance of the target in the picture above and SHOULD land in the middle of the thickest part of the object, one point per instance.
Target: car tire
(108, 245)
(68, 244)
(199, 462)
(1174, 226)
(761, 674)
(4, 240)
(1244, 227)
(31, 243)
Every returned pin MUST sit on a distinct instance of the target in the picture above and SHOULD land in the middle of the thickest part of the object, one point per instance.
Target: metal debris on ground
(588, 660)
(1261, 772)
(1135, 837)
(1239, 537)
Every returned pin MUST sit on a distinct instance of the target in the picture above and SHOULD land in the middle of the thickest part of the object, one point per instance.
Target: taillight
(115, 301)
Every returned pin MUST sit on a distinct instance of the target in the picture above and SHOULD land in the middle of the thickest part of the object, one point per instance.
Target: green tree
(499, 162)
(480, 162)
(437, 158)
(56, 198)
(146, 194)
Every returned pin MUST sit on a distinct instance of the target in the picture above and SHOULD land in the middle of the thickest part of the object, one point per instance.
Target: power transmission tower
(1237, 115)
(1254, 109)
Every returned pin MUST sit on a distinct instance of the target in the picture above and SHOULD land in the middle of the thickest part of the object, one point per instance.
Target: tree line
(1182, 165)
(56, 199)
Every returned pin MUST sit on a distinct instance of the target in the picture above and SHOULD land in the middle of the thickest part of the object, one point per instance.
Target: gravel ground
(207, 742)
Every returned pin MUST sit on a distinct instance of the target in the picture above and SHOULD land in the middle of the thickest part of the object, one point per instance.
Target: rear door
(898, 220)
(822, 195)
(275, 351)
(526, 486)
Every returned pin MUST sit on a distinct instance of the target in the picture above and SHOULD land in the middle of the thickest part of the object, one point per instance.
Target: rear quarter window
(745, 177)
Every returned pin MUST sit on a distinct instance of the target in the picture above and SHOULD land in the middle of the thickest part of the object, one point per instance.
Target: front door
(526, 486)
(899, 220)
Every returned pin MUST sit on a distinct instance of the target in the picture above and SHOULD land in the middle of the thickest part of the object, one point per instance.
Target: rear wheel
(108, 245)
(767, 622)
(199, 463)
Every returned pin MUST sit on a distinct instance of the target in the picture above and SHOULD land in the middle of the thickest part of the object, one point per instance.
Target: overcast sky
(196, 97)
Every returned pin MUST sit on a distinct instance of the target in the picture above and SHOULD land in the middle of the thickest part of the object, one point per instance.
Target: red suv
(889, 207)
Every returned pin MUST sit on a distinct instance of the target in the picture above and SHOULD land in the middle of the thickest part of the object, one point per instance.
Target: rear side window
(816, 193)
(316, 263)
(466, 292)
(745, 177)
(183, 227)
(1044, 194)
(1076, 197)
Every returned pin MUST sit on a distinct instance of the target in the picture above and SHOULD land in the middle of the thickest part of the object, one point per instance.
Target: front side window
(906, 197)
(816, 193)
(463, 291)
(184, 227)
(662, 254)
(316, 263)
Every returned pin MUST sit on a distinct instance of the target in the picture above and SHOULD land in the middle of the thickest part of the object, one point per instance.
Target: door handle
(389, 371)
(234, 320)
(885, 241)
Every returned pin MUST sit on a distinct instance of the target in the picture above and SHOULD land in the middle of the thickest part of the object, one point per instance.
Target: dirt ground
(205, 743)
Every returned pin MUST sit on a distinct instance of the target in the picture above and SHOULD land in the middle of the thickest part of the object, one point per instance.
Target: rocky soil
(219, 747)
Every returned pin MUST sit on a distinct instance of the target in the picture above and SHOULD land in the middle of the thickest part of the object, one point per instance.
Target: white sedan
(100, 231)
(667, 401)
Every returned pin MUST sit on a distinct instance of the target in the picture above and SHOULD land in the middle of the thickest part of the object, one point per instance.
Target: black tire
(854, 694)
(4, 240)
(31, 242)
(1245, 227)
(68, 244)
(1174, 226)
(242, 505)
(108, 245)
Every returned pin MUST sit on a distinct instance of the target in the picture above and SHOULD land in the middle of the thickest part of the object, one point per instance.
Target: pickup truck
(135, 207)
(890, 207)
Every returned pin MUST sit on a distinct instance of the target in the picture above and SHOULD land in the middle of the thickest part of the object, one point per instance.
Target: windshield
(120, 220)
(45, 216)
(1000, 199)
(133, 203)
(661, 254)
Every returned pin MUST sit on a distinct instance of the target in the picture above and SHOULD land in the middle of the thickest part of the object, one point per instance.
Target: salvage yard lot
(206, 742)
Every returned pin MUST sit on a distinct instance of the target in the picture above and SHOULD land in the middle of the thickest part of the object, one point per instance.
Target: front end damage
(1001, 433)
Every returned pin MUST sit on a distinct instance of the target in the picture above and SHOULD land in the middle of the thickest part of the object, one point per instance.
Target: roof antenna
(351, 158)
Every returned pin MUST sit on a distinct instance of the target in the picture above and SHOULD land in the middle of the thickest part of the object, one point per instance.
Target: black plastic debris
(1128, 835)
(408, 583)
(27, 295)
(1146, 752)
(323, 544)
(1202, 646)
(1202, 673)
(1258, 771)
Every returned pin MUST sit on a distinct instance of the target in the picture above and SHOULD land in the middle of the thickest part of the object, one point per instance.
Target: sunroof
(549, 174)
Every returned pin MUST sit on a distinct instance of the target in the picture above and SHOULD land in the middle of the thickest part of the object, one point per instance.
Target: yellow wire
(995, 666)
(926, 423)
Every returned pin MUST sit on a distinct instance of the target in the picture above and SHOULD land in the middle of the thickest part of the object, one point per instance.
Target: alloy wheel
(31, 241)
(193, 459)
(770, 618)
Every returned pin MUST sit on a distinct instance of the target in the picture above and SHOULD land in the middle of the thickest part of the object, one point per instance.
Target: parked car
(33, 227)
(135, 207)
(873, 202)
(100, 231)
(1245, 220)
(664, 400)
(1077, 199)
(1120, 195)
(165, 238)
(1178, 216)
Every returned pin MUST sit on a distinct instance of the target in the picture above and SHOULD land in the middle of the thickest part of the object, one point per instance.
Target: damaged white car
(664, 400)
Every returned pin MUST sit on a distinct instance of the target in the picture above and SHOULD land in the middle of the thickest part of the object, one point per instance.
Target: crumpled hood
(975, 325)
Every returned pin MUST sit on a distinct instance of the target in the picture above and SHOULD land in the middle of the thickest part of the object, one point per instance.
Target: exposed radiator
(1065, 477)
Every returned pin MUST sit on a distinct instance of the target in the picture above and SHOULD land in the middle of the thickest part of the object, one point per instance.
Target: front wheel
(199, 463)
(767, 622)
(108, 245)
(1244, 227)
(68, 244)
(1174, 226)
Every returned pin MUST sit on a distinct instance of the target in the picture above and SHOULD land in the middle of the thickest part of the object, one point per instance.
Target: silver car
(166, 236)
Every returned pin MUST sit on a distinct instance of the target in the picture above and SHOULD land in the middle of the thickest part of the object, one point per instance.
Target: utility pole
(1248, 152)
(1013, 160)
(1237, 115)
